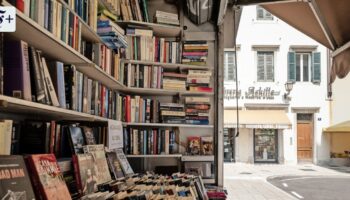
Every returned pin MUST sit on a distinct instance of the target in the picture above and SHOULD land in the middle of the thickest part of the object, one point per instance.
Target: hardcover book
(14, 179)
(47, 177)
(100, 161)
(124, 162)
(89, 135)
(207, 145)
(85, 173)
(76, 139)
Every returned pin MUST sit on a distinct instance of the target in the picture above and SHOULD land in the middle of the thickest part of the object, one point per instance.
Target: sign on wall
(258, 93)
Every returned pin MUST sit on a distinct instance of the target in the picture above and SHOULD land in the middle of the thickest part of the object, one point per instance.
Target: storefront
(260, 138)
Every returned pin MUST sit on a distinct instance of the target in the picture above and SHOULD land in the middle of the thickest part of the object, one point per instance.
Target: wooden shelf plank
(198, 158)
(167, 125)
(208, 180)
(155, 156)
(167, 65)
(160, 30)
(15, 105)
(162, 92)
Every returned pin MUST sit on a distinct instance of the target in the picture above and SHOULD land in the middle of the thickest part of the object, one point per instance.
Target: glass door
(265, 145)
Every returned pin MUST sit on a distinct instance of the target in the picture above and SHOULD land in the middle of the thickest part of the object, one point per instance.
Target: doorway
(229, 144)
(305, 129)
(265, 146)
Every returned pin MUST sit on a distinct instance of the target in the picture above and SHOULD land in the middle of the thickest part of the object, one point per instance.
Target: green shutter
(316, 67)
(291, 66)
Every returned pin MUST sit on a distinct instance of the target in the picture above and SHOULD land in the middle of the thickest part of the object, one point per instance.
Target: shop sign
(252, 93)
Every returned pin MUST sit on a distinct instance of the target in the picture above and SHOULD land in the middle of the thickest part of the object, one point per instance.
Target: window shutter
(231, 67)
(316, 67)
(291, 66)
(269, 67)
(261, 70)
(259, 12)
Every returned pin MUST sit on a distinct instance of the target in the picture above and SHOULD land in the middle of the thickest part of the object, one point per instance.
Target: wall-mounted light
(288, 86)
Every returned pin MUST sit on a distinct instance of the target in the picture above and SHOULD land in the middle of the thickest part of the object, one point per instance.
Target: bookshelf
(53, 48)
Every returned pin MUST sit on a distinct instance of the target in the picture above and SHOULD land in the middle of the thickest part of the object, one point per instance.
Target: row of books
(149, 141)
(143, 76)
(197, 110)
(195, 52)
(167, 18)
(142, 45)
(56, 18)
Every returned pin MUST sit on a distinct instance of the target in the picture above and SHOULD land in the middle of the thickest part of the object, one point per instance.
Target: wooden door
(305, 141)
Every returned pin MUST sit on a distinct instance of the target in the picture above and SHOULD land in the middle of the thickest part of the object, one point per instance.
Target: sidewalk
(248, 181)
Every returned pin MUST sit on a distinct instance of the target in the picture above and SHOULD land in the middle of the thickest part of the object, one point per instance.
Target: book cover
(193, 145)
(47, 177)
(86, 173)
(16, 70)
(88, 135)
(102, 173)
(115, 134)
(124, 162)
(207, 145)
(76, 139)
(14, 180)
(57, 76)
(50, 87)
(47, 99)
(114, 165)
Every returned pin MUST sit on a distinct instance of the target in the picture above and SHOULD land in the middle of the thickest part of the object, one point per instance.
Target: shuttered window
(304, 67)
(265, 66)
(262, 14)
(230, 68)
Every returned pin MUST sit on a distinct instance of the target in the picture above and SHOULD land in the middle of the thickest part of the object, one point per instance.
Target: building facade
(276, 126)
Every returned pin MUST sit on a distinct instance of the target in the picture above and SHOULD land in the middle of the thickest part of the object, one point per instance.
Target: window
(230, 68)
(303, 67)
(265, 69)
(262, 14)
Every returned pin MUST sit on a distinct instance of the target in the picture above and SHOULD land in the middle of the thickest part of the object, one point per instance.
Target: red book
(20, 5)
(155, 137)
(164, 55)
(74, 31)
(156, 50)
(77, 173)
(128, 108)
(47, 177)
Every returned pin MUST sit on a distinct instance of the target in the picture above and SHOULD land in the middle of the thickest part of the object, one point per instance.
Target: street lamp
(288, 86)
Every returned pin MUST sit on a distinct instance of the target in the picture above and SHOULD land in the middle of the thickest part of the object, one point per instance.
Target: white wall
(341, 99)
(304, 94)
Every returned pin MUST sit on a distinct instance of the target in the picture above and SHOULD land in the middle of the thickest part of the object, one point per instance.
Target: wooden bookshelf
(159, 30)
(199, 158)
(52, 47)
(167, 125)
(15, 105)
(163, 92)
(155, 156)
(167, 65)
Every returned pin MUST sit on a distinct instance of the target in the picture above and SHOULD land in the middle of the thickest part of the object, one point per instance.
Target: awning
(274, 119)
(343, 127)
(326, 21)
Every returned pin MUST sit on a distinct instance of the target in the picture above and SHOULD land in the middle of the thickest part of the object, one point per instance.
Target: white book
(27, 7)
(154, 76)
(173, 52)
(2, 138)
(58, 20)
(49, 84)
(41, 12)
(145, 77)
(129, 75)
(5, 137)
(137, 108)
(167, 138)
(115, 135)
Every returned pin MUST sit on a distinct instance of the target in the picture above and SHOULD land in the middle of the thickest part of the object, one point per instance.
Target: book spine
(77, 174)
(39, 86)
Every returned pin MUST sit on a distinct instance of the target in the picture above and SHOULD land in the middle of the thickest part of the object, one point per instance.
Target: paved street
(314, 187)
(263, 182)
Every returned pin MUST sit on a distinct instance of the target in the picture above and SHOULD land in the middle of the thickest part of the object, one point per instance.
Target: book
(50, 87)
(57, 76)
(128, 171)
(85, 173)
(16, 73)
(47, 177)
(88, 135)
(207, 146)
(36, 79)
(115, 134)
(114, 165)
(102, 173)
(5, 136)
(76, 139)
(193, 145)
(15, 181)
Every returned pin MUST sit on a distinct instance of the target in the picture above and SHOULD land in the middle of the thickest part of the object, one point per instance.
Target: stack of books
(143, 76)
(174, 81)
(172, 113)
(149, 141)
(195, 53)
(167, 18)
(111, 34)
(199, 81)
(142, 45)
(197, 110)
